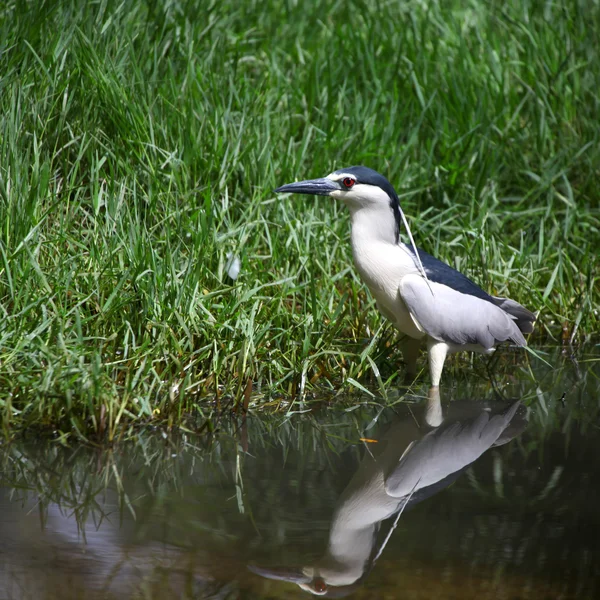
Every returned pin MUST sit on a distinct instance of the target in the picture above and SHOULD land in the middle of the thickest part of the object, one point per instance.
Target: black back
(440, 272)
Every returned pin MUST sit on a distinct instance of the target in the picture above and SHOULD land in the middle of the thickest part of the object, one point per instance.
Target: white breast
(382, 266)
(381, 262)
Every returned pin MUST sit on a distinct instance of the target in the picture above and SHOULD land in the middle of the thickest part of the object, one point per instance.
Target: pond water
(467, 496)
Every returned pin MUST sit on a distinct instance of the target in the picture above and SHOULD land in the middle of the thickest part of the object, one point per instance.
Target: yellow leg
(434, 415)
(437, 355)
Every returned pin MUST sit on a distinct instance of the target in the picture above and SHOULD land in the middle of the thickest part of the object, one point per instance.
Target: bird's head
(309, 580)
(358, 187)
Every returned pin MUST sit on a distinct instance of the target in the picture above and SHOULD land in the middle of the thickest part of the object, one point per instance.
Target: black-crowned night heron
(415, 459)
(423, 297)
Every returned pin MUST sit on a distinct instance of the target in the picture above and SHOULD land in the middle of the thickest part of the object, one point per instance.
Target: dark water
(482, 499)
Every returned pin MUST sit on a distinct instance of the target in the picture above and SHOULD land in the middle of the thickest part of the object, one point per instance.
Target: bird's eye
(318, 584)
(348, 182)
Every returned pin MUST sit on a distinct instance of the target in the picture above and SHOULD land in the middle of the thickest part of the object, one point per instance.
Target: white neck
(347, 555)
(372, 223)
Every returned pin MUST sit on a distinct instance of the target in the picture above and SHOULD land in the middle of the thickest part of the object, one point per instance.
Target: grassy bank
(140, 142)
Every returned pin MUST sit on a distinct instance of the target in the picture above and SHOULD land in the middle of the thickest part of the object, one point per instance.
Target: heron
(424, 298)
(416, 458)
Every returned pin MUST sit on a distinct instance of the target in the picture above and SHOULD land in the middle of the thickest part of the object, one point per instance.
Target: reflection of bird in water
(410, 463)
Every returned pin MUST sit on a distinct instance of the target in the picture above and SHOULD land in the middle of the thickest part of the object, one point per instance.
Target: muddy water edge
(473, 496)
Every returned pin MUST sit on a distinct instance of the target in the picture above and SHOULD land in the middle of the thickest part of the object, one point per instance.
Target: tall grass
(140, 142)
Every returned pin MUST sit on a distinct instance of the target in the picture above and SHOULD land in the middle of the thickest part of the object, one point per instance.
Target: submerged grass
(140, 142)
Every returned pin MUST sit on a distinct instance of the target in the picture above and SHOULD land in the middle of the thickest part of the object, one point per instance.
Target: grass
(140, 142)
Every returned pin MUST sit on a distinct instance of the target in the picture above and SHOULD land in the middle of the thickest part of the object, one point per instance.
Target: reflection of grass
(314, 445)
(517, 505)
(139, 144)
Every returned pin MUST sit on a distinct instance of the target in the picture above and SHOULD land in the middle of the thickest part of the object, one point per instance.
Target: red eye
(318, 584)
(349, 182)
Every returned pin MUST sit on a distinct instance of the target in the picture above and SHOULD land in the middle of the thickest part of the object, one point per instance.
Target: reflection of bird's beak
(292, 574)
(316, 187)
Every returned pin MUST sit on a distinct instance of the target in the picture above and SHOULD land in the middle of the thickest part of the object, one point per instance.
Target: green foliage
(140, 142)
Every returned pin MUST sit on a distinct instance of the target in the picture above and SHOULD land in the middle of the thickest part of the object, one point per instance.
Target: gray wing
(445, 451)
(440, 272)
(448, 315)
(524, 318)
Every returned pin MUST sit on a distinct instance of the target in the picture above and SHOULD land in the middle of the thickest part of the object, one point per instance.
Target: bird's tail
(523, 317)
(516, 422)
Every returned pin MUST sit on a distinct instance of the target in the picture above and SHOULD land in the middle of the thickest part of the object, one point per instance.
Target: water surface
(476, 497)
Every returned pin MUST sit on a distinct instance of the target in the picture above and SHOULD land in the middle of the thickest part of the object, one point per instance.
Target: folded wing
(454, 317)
(439, 272)
(446, 450)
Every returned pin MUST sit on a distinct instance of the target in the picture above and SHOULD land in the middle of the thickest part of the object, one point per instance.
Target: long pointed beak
(281, 574)
(316, 187)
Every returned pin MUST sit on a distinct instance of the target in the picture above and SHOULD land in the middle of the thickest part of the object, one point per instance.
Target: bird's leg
(410, 353)
(433, 412)
(437, 355)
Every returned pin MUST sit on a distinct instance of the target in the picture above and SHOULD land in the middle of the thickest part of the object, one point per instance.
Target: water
(489, 500)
